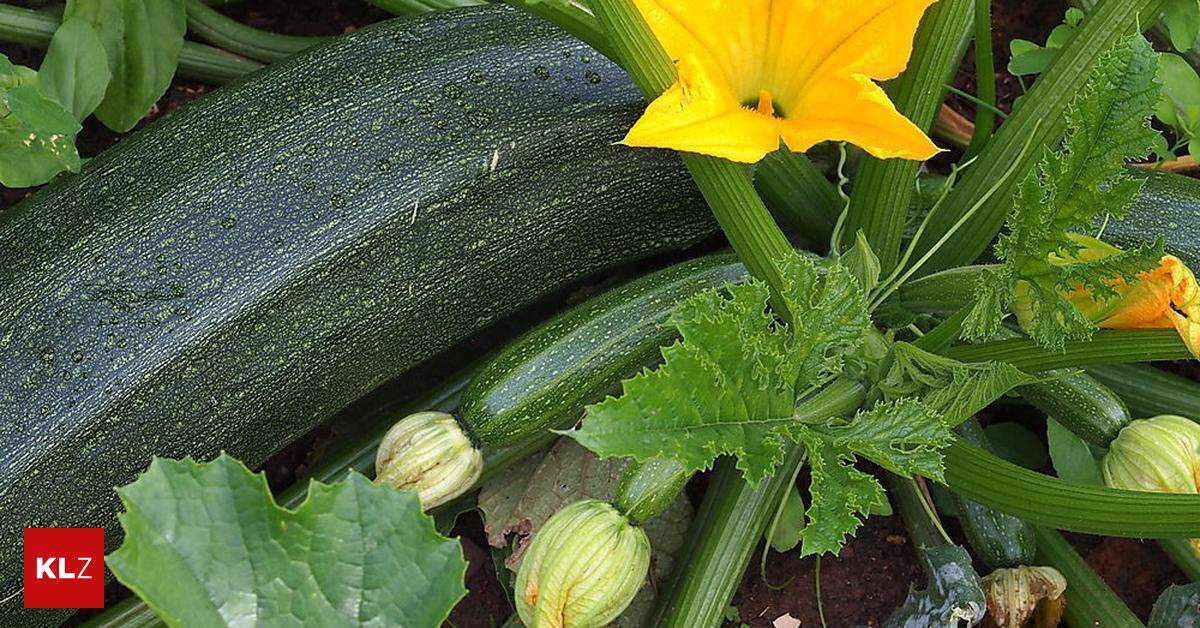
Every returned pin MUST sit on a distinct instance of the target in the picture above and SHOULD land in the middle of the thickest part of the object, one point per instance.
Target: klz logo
(64, 567)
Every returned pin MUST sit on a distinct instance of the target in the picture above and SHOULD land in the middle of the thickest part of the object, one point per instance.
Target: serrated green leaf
(730, 386)
(841, 497)
(956, 390)
(143, 40)
(905, 437)
(206, 545)
(75, 72)
(1107, 124)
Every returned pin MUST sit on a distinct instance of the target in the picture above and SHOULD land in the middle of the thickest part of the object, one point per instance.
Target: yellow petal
(728, 36)
(854, 110)
(815, 41)
(699, 114)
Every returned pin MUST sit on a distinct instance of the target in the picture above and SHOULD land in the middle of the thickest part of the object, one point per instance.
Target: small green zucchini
(1091, 410)
(543, 380)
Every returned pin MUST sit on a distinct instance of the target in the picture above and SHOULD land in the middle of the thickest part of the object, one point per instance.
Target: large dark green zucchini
(242, 270)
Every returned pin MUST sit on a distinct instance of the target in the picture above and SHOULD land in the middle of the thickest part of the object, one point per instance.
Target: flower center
(765, 104)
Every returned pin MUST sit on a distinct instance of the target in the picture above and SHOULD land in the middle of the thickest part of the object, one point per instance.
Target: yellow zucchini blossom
(754, 71)
(1163, 298)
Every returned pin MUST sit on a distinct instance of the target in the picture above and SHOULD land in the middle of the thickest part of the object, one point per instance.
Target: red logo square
(64, 567)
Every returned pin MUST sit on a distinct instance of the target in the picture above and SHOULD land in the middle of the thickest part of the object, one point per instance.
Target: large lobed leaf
(206, 545)
(730, 385)
(1107, 124)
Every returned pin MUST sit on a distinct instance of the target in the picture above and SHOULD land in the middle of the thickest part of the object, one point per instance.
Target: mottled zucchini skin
(234, 275)
(1168, 207)
(545, 378)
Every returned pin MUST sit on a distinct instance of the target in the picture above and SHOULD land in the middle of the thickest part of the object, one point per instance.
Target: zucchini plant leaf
(75, 73)
(205, 544)
(952, 597)
(1177, 607)
(904, 437)
(1027, 58)
(1072, 457)
(1107, 124)
(143, 40)
(955, 389)
(730, 386)
(1182, 19)
(37, 136)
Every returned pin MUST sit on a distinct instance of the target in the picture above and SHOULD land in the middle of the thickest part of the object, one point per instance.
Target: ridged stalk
(804, 202)
(985, 79)
(883, 188)
(730, 523)
(1109, 346)
(1090, 602)
(196, 61)
(1049, 501)
(1039, 122)
(229, 34)
(1149, 391)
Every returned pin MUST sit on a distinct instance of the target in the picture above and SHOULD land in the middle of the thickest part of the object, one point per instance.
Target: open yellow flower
(753, 71)
(1163, 298)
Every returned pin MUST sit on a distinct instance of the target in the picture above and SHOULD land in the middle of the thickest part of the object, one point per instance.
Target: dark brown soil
(875, 571)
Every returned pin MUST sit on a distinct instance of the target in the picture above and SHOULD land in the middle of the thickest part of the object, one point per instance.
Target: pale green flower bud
(429, 453)
(1160, 455)
(582, 569)
(1024, 596)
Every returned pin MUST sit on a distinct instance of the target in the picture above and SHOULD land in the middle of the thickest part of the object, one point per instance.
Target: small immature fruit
(429, 453)
(1023, 596)
(583, 568)
(1160, 455)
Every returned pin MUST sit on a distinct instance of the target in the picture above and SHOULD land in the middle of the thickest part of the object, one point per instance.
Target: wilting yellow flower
(1163, 298)
(752, 71)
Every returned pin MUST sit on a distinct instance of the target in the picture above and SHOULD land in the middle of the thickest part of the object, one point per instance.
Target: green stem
(196, 61)
(804, 202)
(985, 79)
(1149, 391)
(884, 187)
(1114, 346)
(1181, 553)
(1044, 500)
(230, 34)
(919, 518)
(1039, 119)
(1090, 602)
(730, 523)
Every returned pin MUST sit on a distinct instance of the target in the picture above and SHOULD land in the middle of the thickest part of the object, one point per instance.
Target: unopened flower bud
(583, 568)
(429, 453)
(1160, 455)
(1024, 596)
